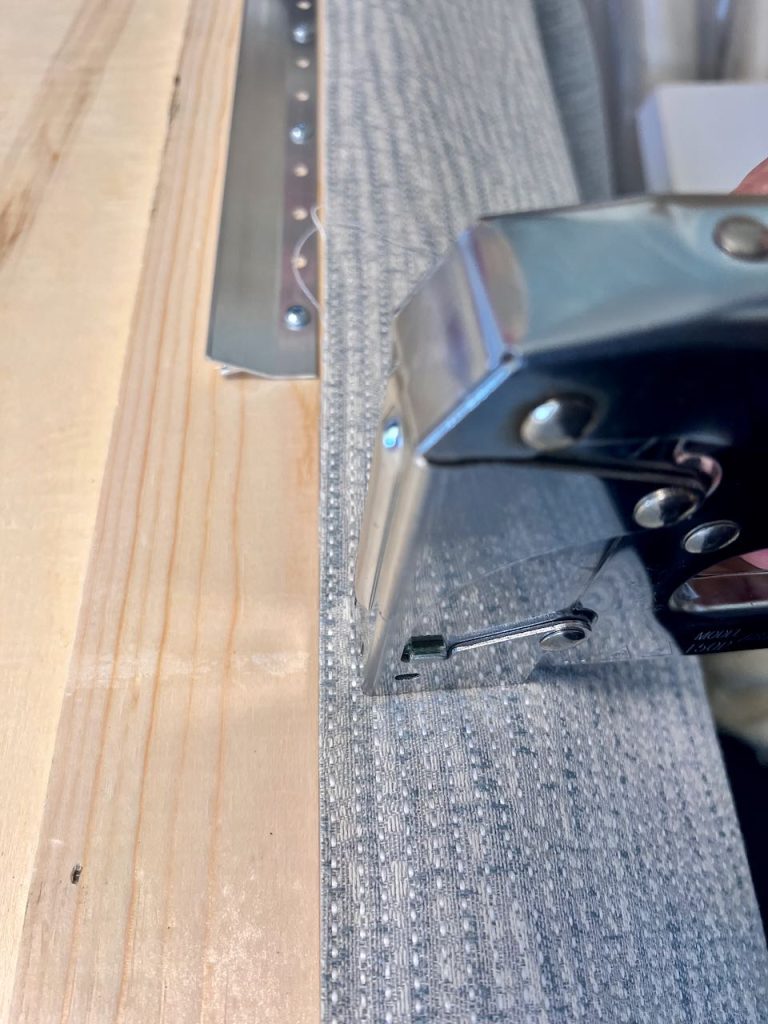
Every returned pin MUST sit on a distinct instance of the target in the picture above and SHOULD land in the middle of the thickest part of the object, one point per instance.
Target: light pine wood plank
(25, 56)
(56, 113)
(85, 91)
(185, 775)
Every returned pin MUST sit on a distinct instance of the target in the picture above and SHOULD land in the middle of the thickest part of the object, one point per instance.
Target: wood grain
(58, 108)
(184, 782)
(67, 291)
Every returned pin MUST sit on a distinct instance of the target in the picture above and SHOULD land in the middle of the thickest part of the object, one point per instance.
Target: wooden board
(80, 149)
(176, 876)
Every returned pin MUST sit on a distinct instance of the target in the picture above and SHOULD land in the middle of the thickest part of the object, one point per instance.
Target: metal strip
(263, 318)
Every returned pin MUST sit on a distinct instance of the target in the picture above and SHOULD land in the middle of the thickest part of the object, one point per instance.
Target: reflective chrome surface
(471, 531)
(730, 585)
(711, 537)
(269, 194)
(744, 238)
(555, 632)
(558, 423)
(665, 507)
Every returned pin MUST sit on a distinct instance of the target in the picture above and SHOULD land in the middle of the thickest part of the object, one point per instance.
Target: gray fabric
(569, 49)
(557, 851)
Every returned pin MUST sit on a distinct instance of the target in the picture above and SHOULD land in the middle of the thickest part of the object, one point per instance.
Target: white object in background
(702, 136)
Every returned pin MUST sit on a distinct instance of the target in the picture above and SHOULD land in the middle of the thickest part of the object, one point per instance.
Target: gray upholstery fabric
(570, 54)
(563, 850)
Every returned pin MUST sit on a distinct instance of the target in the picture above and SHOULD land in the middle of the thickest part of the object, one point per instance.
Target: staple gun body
(569, 462)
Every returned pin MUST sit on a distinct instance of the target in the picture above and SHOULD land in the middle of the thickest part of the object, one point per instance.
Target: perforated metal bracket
(263, 317)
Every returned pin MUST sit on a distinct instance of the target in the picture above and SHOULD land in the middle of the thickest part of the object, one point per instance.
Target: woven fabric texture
(557, 851)
(569, 49)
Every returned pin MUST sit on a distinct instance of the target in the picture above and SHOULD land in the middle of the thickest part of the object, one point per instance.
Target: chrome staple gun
(572, 459)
